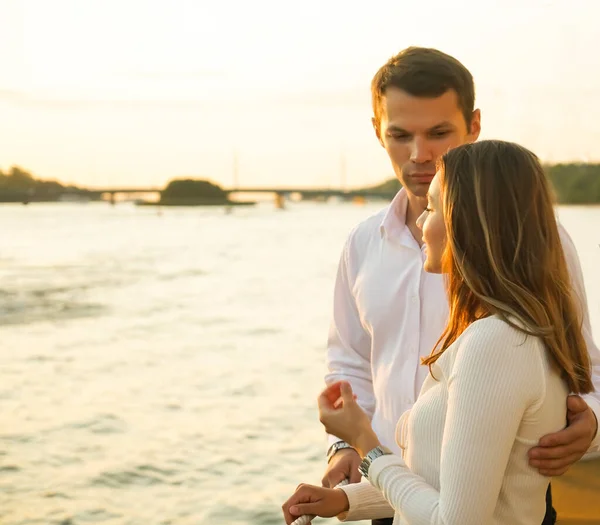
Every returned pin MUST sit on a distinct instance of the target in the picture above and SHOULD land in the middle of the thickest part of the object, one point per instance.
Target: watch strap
(338, 445)
(371, 456)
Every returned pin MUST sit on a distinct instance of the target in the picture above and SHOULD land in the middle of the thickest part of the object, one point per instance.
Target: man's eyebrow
(440, 125)
(393, 127)
(445, 124)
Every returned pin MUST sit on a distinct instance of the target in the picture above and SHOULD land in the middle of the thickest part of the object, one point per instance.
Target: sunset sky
(134, 92)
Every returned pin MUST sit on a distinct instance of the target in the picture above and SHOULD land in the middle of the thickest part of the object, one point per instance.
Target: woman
(499, 375)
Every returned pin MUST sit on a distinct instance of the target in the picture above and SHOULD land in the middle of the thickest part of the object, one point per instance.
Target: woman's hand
(319, 501)
(341, 416)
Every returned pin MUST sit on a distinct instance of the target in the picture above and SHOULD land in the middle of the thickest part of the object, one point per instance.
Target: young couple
(461, 364)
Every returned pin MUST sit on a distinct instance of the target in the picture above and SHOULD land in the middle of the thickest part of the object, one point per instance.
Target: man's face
(416, 131)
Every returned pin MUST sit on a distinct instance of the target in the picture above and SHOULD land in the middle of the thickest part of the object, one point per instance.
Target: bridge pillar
(112, 198)
(280, 201)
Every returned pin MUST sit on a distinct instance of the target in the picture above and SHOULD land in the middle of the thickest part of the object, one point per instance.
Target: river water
(162, 368)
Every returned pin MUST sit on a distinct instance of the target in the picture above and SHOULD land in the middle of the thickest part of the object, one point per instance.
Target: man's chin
(418, 190)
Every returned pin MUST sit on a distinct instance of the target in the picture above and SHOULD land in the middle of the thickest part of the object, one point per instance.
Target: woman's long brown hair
(504, 255)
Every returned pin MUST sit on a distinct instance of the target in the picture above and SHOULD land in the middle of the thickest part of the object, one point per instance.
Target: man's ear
(376, 126)
(475, 125)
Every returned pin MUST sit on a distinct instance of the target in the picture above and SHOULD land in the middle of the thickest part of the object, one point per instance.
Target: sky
(135, 92)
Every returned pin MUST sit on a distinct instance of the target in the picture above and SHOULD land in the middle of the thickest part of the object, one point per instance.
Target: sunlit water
(163, 369)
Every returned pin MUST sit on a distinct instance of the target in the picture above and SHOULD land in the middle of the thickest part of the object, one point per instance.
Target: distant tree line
(193, 189)
(572, 183)
(575, 183)
(18, 185)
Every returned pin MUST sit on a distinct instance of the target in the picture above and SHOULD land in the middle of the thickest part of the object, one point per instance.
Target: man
(388, 312)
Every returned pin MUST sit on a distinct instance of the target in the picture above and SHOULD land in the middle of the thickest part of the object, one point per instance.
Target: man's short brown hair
(424, 72)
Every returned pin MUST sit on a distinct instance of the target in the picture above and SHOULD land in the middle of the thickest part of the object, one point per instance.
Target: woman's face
(432, 224)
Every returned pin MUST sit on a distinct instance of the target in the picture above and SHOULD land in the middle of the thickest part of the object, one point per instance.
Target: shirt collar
(394, 220)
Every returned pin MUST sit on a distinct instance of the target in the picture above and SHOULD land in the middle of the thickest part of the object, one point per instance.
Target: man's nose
(421, 152)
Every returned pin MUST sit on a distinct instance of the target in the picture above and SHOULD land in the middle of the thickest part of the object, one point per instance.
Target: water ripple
(123, 479)
(102, 424)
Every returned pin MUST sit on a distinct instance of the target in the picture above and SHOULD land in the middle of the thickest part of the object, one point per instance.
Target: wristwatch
(338, 445)
(371, 456)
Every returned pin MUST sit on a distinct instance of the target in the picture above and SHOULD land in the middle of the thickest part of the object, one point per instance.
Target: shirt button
(414, 298)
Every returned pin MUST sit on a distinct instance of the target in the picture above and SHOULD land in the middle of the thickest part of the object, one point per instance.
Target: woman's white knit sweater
(465, 441)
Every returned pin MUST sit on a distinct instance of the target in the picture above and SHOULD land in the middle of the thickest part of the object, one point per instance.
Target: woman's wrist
(366, 441)
(344, 502)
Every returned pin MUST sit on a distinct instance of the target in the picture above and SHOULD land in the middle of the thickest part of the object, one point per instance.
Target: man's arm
(557, 452)
(349, 359)
(574, 267)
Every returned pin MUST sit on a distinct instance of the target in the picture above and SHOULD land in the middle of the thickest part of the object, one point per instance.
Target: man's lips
(422, 177)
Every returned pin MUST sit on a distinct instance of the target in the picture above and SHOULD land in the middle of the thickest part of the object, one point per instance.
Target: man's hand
(344, 464)
(557, 452)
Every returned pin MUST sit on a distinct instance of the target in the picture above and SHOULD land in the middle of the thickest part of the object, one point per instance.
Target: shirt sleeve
(349, 344)
(492, 384)
(576, 274)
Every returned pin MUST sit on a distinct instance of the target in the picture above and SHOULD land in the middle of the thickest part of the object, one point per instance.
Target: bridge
(280, 193)
(315, 192)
